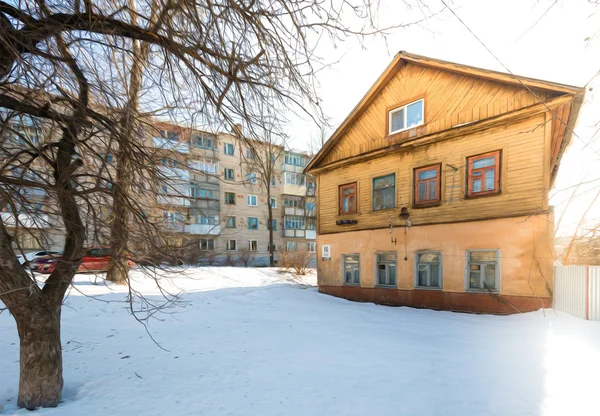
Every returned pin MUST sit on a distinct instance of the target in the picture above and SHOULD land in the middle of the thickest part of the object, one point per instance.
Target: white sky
(563, 47)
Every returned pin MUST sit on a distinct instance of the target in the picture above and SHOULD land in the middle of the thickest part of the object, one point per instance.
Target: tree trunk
(41, 381)
(270, 210)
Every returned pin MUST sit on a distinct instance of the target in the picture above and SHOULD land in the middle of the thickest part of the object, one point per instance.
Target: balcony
(203, 229)
(175, 173)
(176, 227)
(293, 233)
(293, 211)
(203, 166)
(173, 200)
(297, 190)
(172, 145)
(26, 220)
(311, 234)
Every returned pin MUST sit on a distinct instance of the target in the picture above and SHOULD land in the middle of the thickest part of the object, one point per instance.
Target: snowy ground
(254, 342)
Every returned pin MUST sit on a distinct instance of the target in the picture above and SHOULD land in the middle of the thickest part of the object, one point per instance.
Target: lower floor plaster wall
(525, 262)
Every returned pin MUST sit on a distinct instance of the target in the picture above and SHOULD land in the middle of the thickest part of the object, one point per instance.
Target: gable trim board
(569, 93)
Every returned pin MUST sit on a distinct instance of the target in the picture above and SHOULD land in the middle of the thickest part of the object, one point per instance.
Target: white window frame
(440, 277)
(226, 146)
(468, 271)
(249, 200)
(344, 270)
(377, 284)
(292, 243)
(251, 177)
(229, 245)
(228, 219)
(252, 243)
(312, 246)
(405, 108)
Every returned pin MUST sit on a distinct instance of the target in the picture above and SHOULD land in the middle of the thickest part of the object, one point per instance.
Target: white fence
(577, 291)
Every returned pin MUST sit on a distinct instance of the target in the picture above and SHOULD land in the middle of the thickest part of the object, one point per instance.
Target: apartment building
(208, 200)
(298, 194)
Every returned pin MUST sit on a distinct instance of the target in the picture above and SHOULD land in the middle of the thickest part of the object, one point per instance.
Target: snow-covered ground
(255, 342)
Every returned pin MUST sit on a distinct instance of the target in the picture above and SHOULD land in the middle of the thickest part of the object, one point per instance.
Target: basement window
(386, 269)
(351, 269)
(429, 270)
(406, 117)
(483, 270)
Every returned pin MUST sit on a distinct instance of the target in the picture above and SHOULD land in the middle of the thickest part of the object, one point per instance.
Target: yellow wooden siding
(450, 99)
(523, 169)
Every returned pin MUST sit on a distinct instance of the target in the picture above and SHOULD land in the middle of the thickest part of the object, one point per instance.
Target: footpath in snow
(255, 342)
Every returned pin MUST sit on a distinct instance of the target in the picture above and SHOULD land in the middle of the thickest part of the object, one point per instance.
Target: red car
(95, 259)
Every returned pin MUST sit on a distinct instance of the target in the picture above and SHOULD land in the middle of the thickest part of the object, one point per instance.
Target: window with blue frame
(252, 223)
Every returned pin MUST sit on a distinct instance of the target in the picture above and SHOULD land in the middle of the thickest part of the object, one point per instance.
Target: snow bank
(255, 342)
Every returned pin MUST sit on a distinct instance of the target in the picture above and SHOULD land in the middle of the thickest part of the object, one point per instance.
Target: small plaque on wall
(326, 252)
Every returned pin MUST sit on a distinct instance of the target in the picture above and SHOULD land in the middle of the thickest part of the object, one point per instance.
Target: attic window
(406, 117)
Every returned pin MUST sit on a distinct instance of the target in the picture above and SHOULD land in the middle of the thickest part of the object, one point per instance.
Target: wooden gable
(454, 95)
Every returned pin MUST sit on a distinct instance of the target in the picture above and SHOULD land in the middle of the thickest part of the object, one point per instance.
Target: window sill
(382, 210)
(351, 284)
(427, 288)
(428, 205)
(495, 291)
(386, 286)
(483, 195)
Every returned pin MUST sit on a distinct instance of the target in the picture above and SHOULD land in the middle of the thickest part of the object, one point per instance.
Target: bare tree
(216, 59)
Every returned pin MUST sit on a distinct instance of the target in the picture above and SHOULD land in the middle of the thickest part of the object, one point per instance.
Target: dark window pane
(422, 191)
(432, 190)
(434, 269)
(489, 276)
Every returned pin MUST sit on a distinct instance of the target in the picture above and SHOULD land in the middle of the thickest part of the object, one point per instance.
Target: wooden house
(433, 192)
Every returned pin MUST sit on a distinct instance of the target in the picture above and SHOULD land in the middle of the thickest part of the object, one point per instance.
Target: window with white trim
(252, 200)
(231, 245)
(291, 246)
(291, 178)
(483, 270)
(228, 149)
(311, 247)
(251, 177)
(253, 245)
(428, 270)
(351, 269)
(386, 269)
(406, 117)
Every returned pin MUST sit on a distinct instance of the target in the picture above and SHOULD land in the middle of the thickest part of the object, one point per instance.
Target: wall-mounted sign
(326, 252)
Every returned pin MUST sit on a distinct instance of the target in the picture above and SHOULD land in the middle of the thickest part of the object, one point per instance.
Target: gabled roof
(403, 57)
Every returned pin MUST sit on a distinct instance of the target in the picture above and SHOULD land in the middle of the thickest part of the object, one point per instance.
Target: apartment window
(273, 202)
(483, 174)
(291, 246)
(229, 198)
(483, 270)
(229, 222)
(269, 246)
(197, 192)
(170, 135)
(311, 188)
(228, 174)
(252, 223)
(293, 202)
(311, 224)
(384, 192)
(311, 208)
(273, 225)
(429, 270)
(294, 222)
(169, 162)
(231, 245)
(351, 268)
(311, 247)
(202, 140)
(228, 149)
(294, 178)
(172, 217)
(406, 117)
(250, 154)
(207, 245)
(386, 269)
(296, 160)
(253, 245)
(273, 180)
(251, 177)
(252, 200)
(207, 219)
(427, 185)
(347, 195)
(204, 165)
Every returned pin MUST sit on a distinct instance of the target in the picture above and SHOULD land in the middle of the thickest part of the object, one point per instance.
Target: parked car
(95, 259)
(34, 255)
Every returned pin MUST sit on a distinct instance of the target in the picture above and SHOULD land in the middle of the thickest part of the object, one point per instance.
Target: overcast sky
(563, 46)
